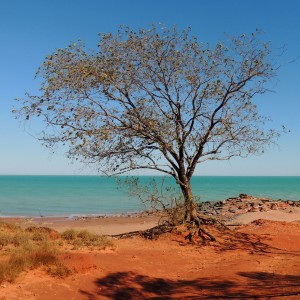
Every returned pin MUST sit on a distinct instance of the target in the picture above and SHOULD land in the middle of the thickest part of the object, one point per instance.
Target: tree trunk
(191, 213)
(189, 203)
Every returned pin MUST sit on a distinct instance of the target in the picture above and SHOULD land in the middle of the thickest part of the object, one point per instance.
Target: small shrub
(77, 244)
(21, 238)
(100, 242)
(85, 235)
(59, 270)
(35, 254)
(42, 233)
(59, 243)
(43, 255)
(30, 256)
(40, 236)
(85, 238)
(9, 227)
(176, 215)
(5, 239)
(69, 234)
(11, 269)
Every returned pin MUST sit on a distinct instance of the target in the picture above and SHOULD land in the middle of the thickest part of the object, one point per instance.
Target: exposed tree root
(151, 233)
(195, 227)
(211, 220)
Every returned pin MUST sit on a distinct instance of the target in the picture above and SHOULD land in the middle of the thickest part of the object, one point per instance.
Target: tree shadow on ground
(252, 243)
(249, 285)
(233, 240)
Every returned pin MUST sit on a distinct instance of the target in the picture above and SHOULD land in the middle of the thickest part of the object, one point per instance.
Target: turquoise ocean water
(81, 195)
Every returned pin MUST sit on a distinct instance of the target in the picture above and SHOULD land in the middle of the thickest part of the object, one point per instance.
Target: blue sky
(31, 29)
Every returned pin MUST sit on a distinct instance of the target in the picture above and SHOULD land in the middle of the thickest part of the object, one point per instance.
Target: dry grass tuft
(34, 247)
(85, 238)
(69, 235)
(59, 270)
(28, 255)
(9, 227)
(5, 239)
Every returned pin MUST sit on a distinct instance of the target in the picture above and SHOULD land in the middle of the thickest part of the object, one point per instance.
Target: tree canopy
(155, 99)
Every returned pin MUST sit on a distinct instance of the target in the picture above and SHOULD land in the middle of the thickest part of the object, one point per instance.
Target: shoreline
(72, 215)
(103, 225)
(236, 211)
(212, 205)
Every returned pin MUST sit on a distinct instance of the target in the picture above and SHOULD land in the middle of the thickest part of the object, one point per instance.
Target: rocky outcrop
(231, 207)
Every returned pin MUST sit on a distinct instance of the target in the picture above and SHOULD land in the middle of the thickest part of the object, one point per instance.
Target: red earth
(260, 260)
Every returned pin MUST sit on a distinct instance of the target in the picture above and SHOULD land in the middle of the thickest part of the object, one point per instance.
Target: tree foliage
(155, 99)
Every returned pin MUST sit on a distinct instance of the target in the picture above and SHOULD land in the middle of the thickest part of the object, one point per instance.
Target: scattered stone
(227, 209)
(273, 206)
(243, 196)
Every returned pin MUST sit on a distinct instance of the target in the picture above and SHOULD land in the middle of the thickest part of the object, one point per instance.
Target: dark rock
(274, 206)
(243, 196)
(254, 209)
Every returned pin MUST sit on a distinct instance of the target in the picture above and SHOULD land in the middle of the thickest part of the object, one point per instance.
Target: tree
(155, 99)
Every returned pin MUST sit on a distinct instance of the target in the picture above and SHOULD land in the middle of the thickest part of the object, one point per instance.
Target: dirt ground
(260, 260)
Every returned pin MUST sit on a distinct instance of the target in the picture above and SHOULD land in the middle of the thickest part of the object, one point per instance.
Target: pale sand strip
(274, 215)
(123, 224)
(100, 225)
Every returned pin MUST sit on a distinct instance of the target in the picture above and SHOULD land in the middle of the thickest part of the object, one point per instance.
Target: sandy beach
(273, 215)
(109, 225)
(112, 225)
(232, 211)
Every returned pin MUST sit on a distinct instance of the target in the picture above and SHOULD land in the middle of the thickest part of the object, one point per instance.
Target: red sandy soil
(260, 260)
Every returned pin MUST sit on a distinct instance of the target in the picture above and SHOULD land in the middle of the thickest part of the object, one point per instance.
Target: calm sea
(81, 195)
